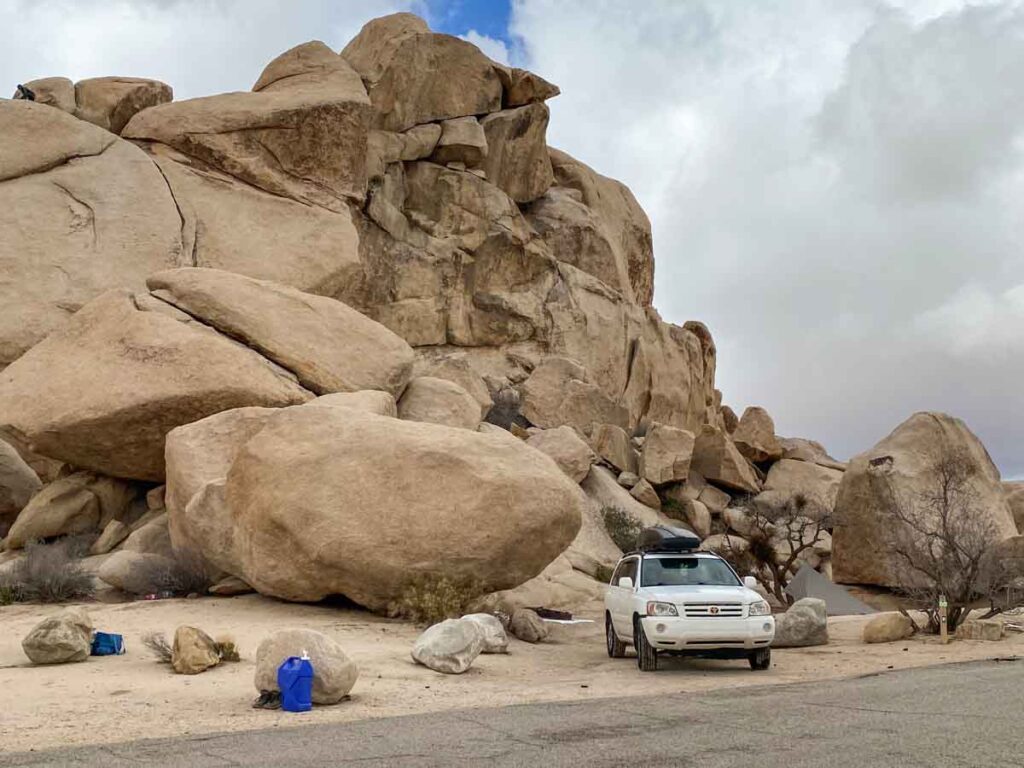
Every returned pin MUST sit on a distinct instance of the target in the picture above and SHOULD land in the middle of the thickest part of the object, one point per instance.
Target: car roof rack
(667, 538)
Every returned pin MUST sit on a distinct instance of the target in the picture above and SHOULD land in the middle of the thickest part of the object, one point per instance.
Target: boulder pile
(354, 329)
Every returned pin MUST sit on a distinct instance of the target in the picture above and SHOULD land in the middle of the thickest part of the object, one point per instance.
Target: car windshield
(686, 571)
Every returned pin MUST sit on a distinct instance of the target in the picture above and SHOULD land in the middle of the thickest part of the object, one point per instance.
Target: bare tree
(944, 543)
(778, 536)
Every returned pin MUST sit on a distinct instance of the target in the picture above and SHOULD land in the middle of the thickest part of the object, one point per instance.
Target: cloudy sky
(836, 186)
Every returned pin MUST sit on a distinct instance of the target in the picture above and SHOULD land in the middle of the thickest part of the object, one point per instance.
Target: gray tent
(838, 602)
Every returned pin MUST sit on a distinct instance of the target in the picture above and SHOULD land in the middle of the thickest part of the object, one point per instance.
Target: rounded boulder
(335, 501)
(450, 647)
(334, 673)
(60, 639)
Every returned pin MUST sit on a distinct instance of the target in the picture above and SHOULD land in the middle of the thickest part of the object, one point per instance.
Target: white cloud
(199, 48)
(496, 49)
(834, 188)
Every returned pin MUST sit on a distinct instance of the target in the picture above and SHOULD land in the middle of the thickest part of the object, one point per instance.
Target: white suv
(685, 603)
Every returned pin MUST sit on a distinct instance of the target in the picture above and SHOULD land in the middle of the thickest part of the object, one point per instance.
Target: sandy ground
(130, 697)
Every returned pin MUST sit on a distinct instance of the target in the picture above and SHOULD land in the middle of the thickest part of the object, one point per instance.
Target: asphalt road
(958, 715)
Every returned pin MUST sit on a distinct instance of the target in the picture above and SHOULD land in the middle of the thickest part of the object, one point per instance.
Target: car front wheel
(761, 659)
(616, 648)
(646, 654)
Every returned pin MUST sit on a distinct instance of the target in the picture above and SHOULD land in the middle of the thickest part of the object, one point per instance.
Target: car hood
(700, 594)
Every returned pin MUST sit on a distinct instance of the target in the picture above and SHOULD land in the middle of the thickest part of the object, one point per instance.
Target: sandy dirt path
(130, 697)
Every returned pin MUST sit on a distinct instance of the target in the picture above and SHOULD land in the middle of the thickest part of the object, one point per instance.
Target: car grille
(713, 610)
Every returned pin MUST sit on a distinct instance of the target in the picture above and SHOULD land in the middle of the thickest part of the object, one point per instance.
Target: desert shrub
(674, 509)
(48, 573)
(227, 648)
(604, 573)
(157, 643)
(622, 527)
(431, 599)
(780, 534)
(184, 574)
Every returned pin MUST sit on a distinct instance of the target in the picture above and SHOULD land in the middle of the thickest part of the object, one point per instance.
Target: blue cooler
(295, 679)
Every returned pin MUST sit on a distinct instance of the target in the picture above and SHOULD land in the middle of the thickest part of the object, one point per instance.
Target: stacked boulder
(362, 321)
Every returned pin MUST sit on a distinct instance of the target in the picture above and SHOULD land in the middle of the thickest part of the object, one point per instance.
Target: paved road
(959, 715)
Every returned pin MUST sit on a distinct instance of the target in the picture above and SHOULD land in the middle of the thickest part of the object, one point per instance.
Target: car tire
(616, 648)
(646, 654)
(760, 659)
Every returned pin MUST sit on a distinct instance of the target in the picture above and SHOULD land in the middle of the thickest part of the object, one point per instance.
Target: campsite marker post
(943, 626)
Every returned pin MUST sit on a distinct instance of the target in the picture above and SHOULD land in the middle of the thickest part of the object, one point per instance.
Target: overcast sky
(836, 186)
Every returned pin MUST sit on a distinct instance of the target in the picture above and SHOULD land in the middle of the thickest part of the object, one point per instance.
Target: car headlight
(661, 609)
(760, 608)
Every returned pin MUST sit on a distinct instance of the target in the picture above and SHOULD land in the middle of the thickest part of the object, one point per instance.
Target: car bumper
(680, 634)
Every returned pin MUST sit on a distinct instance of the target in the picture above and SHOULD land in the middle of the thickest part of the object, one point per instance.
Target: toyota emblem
(713, 610)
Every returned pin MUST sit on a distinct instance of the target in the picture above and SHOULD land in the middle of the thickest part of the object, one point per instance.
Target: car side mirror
(626, 582)
(750, 582)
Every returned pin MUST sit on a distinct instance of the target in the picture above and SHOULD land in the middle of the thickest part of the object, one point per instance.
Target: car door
(620, 599)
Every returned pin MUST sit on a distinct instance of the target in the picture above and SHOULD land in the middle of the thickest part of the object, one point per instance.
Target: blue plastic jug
(295, 679)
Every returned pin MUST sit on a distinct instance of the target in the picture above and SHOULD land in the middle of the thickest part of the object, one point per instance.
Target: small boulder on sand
(495, 638)
(334, 673)
(980, 629)
(804, 624)
(60, 639)
(193, 651)
(528, 626)
(450, 646)
(887, 628)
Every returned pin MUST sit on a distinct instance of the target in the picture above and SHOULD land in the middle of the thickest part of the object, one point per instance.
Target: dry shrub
(781, 533)
(185, 574)
(431, 599)
(48, 573)
(158, 645)
(622, 528)
(227, 648)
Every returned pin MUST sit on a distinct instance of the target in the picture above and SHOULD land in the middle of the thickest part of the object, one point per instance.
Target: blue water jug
(295, 679)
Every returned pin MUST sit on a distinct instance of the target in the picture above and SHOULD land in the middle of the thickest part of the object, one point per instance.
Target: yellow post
(943, 618)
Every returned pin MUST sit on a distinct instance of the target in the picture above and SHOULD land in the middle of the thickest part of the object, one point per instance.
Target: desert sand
(129, 697)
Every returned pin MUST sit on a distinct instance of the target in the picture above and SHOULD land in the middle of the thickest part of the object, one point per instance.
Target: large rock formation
(300, 134)
(328, 346)
(81, 211)
(357, 221)
(902, 469)
(103, 391)
(414, 76)
(331, 500)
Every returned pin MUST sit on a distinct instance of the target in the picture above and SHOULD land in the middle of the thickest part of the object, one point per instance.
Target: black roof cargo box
(665, 538)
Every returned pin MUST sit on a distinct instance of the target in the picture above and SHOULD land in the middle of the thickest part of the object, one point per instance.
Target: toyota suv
(666, 597)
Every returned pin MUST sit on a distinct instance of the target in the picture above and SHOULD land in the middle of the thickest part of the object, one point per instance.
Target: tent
(838, 602)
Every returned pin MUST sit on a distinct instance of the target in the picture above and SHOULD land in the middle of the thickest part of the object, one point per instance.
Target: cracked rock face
(323, 178)
(81, 211)
(102, 392)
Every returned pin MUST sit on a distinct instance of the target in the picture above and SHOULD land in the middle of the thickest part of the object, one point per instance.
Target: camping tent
(838, 602)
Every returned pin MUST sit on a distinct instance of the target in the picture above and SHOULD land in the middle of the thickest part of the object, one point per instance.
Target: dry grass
(432, 599)
(185, 575)
(157, 643)
(48, 573)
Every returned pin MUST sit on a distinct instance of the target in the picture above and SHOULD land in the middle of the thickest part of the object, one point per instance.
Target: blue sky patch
(457, 17)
